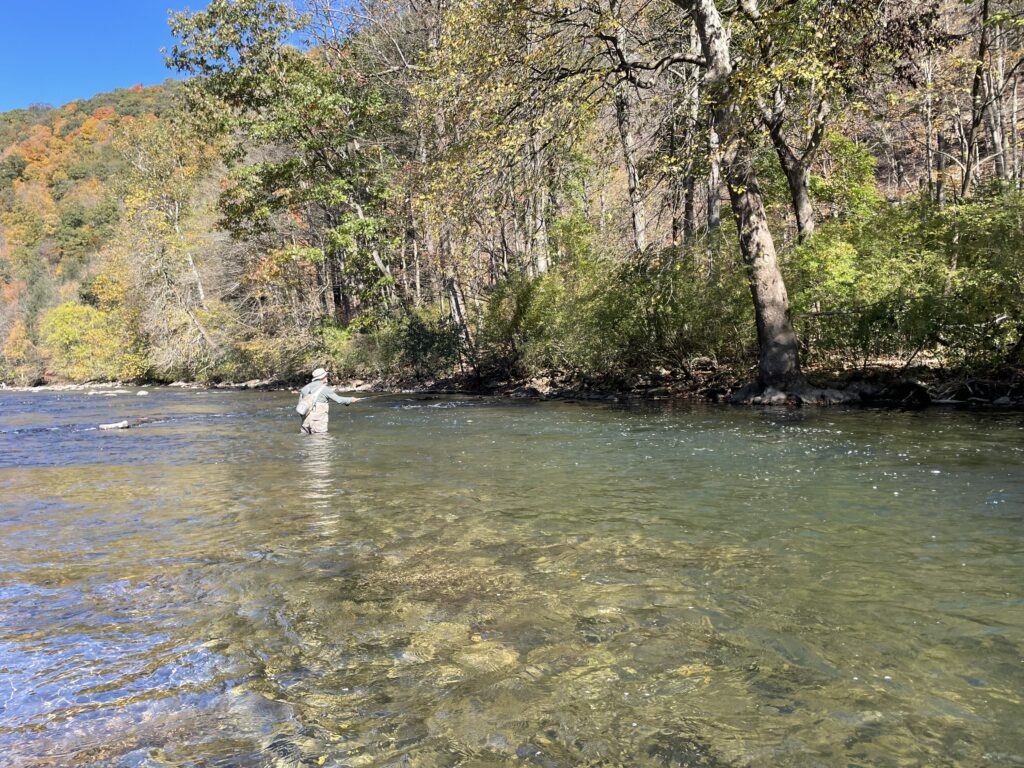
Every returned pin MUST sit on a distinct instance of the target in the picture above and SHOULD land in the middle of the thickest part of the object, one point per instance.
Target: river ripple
(445, 582)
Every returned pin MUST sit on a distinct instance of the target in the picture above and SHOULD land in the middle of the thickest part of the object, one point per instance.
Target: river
(462, 581)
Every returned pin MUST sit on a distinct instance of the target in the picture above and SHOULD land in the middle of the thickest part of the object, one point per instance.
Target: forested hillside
(604, 192)
(61, 203)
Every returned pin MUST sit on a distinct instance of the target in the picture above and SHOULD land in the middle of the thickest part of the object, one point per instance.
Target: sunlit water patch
(444, 582)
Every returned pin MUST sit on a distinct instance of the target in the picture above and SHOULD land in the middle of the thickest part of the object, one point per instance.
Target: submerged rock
(487, 657)
(671, 749)
(437, 639)
(535, 755)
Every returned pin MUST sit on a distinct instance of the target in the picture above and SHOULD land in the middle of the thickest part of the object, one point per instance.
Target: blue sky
(56, 51)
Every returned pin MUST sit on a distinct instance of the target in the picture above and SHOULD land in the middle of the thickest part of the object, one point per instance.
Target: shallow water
(445, 582)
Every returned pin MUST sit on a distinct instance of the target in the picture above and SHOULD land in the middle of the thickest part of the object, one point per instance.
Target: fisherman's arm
(340, 399)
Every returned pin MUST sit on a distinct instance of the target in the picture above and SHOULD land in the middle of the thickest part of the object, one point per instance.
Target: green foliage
(429, 344)
(317, 127)
(11, 168)
(508, 328)
(843, 183)
(82, 343)
(41, 292)
(259, 358)
(600, 322)
(418, 343)
(849, 188)
(597, 320)
(81, 231)
(912, 279)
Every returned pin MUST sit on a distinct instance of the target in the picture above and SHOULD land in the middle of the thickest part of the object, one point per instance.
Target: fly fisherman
(313, 403)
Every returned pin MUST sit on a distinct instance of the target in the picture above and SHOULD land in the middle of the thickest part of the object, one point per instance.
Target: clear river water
(485, 582)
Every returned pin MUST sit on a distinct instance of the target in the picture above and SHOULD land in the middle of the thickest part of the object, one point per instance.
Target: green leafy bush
(417, 343)
(507, 328)
(20, 360)
(82, 343)
(598, 321)
(910, 279)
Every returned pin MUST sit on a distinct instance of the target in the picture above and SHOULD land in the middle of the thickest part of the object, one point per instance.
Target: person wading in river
(316, 395)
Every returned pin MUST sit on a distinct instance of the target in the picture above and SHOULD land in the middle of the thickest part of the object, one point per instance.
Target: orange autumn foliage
(11, 292)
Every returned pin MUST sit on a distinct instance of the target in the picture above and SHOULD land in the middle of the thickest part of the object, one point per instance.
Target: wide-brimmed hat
(319, 373)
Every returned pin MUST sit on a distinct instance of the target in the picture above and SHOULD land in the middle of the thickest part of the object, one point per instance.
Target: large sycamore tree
(756, 63)
(779, 362)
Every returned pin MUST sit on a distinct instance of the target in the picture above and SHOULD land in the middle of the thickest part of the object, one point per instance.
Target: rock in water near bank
(903, 394)
(115, 425)
(755, 394)
(141, 393)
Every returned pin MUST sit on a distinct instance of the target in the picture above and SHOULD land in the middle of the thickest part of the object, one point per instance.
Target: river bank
(880, 387)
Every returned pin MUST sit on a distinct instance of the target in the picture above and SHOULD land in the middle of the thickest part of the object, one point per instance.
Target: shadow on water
(482, 582)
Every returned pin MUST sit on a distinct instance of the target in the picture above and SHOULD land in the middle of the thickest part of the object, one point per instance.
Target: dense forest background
(603, 192)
